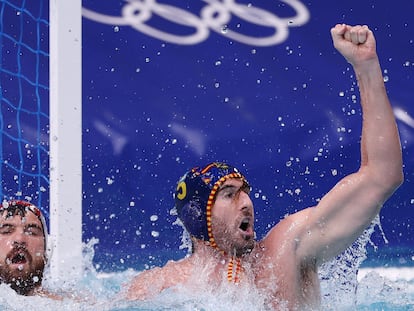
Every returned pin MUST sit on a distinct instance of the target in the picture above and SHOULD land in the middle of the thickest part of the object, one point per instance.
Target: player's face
(22, 250)
(233, 217)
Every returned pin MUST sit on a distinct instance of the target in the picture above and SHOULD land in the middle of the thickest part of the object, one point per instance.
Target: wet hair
(21, 208)
(195, 195)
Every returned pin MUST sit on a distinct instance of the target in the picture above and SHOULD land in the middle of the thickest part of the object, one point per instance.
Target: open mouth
(19, 258)
(245, 224)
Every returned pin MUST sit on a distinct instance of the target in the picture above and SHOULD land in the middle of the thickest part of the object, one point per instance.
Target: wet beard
(229, 240)
(25, 282)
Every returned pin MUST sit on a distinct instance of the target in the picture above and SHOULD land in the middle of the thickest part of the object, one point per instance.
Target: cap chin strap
(233, 275)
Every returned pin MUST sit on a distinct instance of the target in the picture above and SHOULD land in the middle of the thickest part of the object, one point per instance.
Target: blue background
(286, 114)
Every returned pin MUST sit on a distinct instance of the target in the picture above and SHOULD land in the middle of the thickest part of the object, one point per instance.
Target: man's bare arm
(145, 285)
(343, 214)
(150, 283)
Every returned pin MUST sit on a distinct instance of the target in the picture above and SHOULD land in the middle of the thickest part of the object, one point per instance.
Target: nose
(19, 239)
(245, 203)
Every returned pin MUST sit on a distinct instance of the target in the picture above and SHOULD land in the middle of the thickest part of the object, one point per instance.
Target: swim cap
(20, 207)
(195, 195)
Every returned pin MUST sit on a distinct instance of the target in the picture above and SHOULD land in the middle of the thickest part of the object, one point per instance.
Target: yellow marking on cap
(181, 190)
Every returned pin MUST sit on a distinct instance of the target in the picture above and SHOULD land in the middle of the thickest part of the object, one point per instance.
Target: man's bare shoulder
(289, 227)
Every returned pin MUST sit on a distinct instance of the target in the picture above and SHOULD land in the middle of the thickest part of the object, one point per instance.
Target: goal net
(24, 94)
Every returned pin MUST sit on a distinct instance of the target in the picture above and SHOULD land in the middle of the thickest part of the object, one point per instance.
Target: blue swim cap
(195, 195)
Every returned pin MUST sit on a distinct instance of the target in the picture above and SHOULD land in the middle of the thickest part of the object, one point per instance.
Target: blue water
(350, 282)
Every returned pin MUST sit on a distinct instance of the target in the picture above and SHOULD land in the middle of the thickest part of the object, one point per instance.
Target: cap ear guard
(190, 201)
(194, 220)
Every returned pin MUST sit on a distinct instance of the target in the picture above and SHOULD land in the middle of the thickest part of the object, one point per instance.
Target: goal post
(65, 40)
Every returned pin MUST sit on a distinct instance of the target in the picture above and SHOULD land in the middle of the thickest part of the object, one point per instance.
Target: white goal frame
(65, 137)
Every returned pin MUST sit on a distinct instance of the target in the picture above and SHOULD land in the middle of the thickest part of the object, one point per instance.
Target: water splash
(339, 281)
(340, 286)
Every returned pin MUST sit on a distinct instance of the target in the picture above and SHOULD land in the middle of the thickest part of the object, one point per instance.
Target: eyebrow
(33, 225)
(224, 187)
(231, 187)
(26, 226)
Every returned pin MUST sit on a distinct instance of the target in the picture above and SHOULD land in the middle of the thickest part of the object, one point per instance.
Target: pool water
(378, 289)
(345, 285)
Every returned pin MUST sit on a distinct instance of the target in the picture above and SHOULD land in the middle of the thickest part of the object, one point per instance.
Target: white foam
(390, 273)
